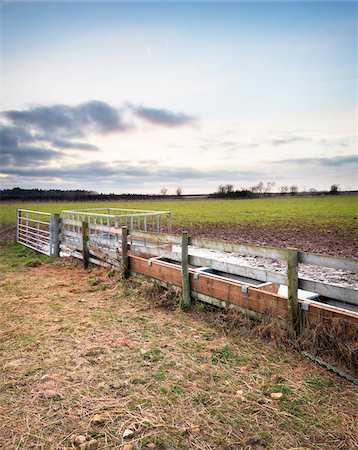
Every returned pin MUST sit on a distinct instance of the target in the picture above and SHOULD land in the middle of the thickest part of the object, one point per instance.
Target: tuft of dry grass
(83, 353)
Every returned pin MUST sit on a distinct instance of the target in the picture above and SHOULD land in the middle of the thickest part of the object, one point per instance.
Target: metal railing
(35, 230)
(105, 226)
(141, 220)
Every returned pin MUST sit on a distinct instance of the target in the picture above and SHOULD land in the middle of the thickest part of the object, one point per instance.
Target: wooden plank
(293, 314)
(65, 245)
(328, 261)
(106, 243)
(125, 258)
(344, 294)
(224, 246)
(222, 266)
(85, 251)
(158, 269)
(108, 229)
(185, 270)
(56, 235)
(233, 292)
(269, 287)
(109, 257)
(236, 269)
(73, 234)
(154, 251)
(156, 237)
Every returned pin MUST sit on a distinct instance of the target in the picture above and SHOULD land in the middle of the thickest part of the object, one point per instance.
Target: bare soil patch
(84, 354)
(335, 241)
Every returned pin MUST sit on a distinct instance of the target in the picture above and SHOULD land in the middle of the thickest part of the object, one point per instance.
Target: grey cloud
(27, 156)
(162, 117)
(17, 149)
(336, 161)
(70, 121)
(126, 173)
(12, 136)
(60, 143)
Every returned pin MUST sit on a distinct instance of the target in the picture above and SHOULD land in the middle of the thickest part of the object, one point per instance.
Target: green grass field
(319, 211)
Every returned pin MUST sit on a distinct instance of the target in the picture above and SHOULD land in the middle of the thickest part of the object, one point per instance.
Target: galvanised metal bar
(33, 230)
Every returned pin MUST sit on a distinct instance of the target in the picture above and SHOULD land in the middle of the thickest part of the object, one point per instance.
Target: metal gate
(35, 230)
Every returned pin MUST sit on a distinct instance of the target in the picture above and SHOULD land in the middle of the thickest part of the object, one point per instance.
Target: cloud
(336, 161)
(93, 116)
(27, 156)
(127, 173)
(162, 117)
(17, 149)
(287, 140)
(12, 136)
(63, 144)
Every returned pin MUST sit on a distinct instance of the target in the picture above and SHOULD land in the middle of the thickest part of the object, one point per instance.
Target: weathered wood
(154, 251)
(85, 251)
(156, 237)
(253, 250)
(292, 294)
(236, 269)
(228, 292)
(328, 261)
(343, 294)
(185, 270)
(222, 266)
(56, 235)
(125, 259)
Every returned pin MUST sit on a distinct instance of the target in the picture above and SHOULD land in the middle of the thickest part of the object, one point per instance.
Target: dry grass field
(89, 361)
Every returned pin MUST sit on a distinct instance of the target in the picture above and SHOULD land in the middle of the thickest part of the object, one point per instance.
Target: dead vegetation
(89, 361)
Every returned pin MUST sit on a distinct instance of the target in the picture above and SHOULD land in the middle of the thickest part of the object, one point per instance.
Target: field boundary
(100, 239)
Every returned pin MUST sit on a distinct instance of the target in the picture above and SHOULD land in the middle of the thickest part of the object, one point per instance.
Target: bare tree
(293, 189)
(221, 189)
(258, 188)
(269, 186)
(284, 190)
(163, 191)
(179, 191)
(229, 188)
(334, 189)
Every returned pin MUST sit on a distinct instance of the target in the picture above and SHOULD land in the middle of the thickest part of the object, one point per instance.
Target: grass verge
(124, 368)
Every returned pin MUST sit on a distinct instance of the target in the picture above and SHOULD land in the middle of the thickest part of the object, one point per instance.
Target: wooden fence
(174, 261)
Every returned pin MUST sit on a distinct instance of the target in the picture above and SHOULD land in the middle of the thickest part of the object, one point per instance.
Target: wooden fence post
(185, 302)
(18, 220)
(85, 250)
(125, 259)
(293, 313)
(56, 235)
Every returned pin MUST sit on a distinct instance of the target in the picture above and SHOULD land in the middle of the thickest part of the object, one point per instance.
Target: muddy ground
(335, 241)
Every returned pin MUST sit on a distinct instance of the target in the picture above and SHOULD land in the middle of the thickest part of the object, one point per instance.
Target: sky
(136, 96)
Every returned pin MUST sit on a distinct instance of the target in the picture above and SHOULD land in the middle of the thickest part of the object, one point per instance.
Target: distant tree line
(18, 194)
(264, 189)
(261, 189)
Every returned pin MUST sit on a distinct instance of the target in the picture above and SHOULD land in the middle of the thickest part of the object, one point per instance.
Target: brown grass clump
(334, 339)
(89, 360)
